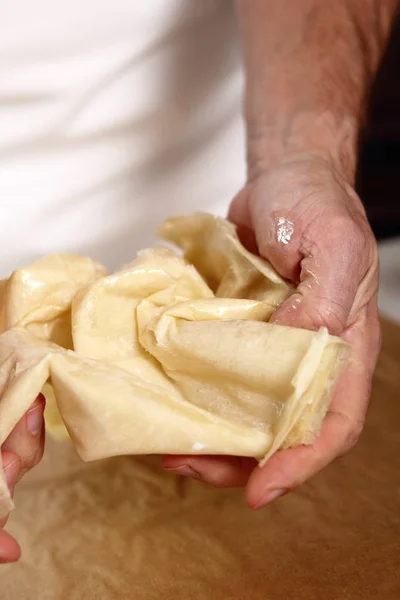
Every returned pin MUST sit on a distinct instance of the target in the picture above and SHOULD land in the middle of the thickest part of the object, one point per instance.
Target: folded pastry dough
(173, 354)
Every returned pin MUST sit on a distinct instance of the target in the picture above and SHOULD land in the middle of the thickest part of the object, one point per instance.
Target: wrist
(304, 136)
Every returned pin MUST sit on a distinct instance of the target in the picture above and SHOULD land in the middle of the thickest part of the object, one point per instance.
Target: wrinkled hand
(311, 226)
(21, 451)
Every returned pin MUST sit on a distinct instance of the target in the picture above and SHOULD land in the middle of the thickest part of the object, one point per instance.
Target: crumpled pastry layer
(174, 354)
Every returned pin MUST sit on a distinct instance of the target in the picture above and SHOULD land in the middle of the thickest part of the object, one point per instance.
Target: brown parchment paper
(123, 529)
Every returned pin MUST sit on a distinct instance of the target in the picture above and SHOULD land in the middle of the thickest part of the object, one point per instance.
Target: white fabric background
(389, 293)
(113, 116)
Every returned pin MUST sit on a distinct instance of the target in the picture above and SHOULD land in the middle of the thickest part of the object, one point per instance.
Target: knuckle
(284, 257)
(349, 431)
(352, 435)
(266, 247)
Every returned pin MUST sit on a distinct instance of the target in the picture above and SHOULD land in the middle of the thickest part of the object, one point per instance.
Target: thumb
(334, 266)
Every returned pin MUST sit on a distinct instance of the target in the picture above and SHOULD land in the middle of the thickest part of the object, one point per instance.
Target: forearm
(309, 67)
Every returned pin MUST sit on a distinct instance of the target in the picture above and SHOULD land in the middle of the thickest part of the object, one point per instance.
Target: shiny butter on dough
(173, 354)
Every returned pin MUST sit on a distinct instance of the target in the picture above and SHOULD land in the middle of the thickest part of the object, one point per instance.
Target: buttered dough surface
(173, 354)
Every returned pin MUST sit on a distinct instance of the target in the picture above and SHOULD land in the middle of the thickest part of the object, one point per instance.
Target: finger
(239, 210)
(332, 267)
(218, 471)
(287, 469)
(239, 214)
(27, 438)
(11, 468)
(270, 233)
(11, 464)
(10, 550)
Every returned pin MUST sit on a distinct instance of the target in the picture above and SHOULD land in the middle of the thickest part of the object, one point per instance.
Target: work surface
(123, 529)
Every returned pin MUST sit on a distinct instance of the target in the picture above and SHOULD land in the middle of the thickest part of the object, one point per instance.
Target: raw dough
(174, 354)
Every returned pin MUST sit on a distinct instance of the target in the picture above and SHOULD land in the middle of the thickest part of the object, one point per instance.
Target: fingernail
(269, 496)
(11, 473)
(34, 419)
(186, 471)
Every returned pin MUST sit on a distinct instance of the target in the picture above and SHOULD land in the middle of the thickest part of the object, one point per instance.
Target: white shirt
(114, 114)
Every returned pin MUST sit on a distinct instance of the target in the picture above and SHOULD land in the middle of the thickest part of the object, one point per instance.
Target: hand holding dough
(174, 354)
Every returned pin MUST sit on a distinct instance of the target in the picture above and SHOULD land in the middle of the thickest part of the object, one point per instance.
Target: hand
(21, 451)
(309, 223)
